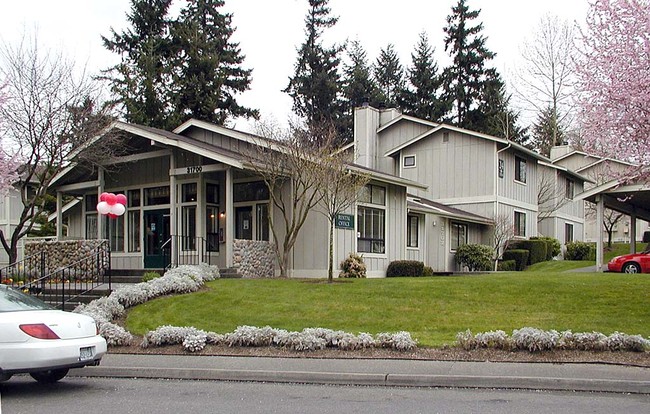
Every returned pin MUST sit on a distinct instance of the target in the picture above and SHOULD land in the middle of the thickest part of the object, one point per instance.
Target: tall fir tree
(207, 65)
(421, 97)
(493, 115)
(546, 131)
(171, 70)
(359, 86)
(389, 76)
(140, 80)
(315, 86)
(463, 80)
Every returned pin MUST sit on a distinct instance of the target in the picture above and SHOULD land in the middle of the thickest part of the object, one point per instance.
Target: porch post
(230, 219)
(633, 232)
(59, 216)
(600, 212)
(172, 207)
(100, 189)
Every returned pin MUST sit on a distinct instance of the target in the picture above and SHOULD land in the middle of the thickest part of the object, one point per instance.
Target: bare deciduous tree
(45, 94)
(504, 231)
(545, 82)
(550, 196)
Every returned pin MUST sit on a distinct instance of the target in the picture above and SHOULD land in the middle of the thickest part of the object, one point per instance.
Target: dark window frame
(520, 169)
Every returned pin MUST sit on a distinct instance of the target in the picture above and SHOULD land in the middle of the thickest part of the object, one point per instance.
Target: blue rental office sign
(344, 221)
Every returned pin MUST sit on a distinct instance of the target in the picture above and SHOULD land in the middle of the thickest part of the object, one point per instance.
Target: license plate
(86, 353)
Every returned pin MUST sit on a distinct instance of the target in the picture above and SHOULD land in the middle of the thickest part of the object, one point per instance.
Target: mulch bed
(641, 359)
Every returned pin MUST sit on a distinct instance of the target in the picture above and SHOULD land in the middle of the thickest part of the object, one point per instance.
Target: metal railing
(190, 250)
(61, 285)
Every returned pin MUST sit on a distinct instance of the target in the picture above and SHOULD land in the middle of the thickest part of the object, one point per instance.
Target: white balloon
(103, 207)
(117, 209)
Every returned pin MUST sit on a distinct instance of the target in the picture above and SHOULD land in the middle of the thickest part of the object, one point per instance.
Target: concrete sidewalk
(377, 372)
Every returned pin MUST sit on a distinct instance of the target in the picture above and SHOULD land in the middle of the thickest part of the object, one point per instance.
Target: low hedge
(405, 268)
(507, 265)
(520, 256)
(553, 246)
(579, 251)
(477, 257)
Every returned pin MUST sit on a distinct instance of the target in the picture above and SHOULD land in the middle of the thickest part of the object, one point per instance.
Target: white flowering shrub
(353, 267)
(251, 336)
(400, 341)
(534, 340)
(115, 335)
(195, 342)
(182, 279)
(300, 341)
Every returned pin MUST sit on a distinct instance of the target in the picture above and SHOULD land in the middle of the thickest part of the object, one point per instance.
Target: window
(373, 194)
(520, 224)
(189, 227)
(212, 193)
(262, 223)
(250, 191)
(568, 233)
(116, 233)
(520, 169)
(371, 232)
(409, 161)
(188, 193)
(156, 196)
(212, 216)
(134, 230)
(570, 189)
(458, 235)
(90, 204)
(134, 198)
(413, 225)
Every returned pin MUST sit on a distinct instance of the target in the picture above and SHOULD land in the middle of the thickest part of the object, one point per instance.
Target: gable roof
(406, 118)
(423, 204)
(441, 127)
(566, 171)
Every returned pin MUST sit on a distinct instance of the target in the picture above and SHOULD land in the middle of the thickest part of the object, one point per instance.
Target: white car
(42, 341)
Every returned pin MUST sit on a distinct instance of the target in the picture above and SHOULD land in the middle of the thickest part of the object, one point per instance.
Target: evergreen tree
(359, 87)
(207, 65)
(389, 76)
(493, 116)
(315, 85)
(463, 80)
(140, 80)
(421, 97)
(175, 69)
(546, 131)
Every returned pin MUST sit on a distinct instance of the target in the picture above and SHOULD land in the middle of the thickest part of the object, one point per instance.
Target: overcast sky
(270, 30)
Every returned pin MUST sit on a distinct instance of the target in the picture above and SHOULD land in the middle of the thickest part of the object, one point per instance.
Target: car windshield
(12, 300)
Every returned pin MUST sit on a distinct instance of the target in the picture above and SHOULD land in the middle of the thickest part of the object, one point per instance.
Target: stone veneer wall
(254, 259)
(60, 254)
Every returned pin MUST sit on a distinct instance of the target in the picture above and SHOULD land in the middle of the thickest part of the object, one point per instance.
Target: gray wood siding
(394, 136)
(516, 190)
(148, 171)
(462, 167)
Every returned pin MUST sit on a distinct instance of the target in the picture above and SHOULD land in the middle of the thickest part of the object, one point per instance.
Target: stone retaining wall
(254, 259)
(69, 253)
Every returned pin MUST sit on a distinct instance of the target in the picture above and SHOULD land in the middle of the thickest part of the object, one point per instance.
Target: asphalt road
(77, 395)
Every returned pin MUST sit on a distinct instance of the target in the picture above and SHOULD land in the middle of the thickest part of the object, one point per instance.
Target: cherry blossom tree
(613, 69)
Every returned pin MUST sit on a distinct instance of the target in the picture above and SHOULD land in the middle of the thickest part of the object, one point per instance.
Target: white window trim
(383, 207)
(415, 163)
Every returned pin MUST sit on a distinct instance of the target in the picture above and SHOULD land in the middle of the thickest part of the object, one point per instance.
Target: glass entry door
(157, 247)
(244, 223)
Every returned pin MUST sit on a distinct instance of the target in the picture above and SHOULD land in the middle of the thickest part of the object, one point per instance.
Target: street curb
(371, 379)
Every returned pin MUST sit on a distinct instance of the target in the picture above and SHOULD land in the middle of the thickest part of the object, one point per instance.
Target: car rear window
(12, 300)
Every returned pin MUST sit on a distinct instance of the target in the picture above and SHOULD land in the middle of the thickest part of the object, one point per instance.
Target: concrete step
(229, 273)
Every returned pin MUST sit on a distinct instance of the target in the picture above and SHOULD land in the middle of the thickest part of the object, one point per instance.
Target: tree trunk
(330, 266)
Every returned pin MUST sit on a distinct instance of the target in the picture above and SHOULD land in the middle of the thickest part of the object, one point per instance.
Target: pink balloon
(110, 198)
(103, 207)
(121, 199)
(112, 215)
(102, 196)
(117, 209)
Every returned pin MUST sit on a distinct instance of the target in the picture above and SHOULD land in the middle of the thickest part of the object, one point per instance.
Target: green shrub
(428, 271)
(553, 246)
(520, 256)
(507, 265)
(477, 257)
(353, 267)
(536, 250)
(405, 268)
(578, 251)
(150, 276)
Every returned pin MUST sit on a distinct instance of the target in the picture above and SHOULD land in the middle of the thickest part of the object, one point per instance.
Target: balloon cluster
(111, 204)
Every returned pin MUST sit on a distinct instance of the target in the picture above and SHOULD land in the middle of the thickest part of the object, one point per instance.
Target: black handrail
(189, 250)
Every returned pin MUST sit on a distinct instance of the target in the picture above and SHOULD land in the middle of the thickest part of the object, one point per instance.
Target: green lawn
(433, 309)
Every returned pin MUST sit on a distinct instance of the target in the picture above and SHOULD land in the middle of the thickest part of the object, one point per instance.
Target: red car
(631, 263)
